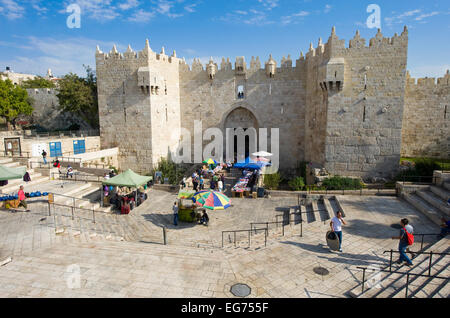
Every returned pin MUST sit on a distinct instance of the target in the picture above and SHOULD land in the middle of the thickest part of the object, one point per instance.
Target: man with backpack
(405, 239)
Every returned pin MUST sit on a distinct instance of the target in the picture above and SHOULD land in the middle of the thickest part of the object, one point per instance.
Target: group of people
(217, 181)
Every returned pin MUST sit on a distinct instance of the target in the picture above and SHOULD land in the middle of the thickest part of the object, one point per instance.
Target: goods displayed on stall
(12, 201)
(186, 207)
(119, 190)
(250, 175)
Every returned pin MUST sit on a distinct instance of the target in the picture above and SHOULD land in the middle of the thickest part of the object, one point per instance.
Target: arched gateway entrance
(243, 132)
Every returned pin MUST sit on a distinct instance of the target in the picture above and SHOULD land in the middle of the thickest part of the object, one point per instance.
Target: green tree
(14, 102)
(79, 96)
(38, 82)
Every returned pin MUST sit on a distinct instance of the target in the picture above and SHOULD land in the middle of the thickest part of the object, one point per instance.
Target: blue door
(79, 147)
(55, 149)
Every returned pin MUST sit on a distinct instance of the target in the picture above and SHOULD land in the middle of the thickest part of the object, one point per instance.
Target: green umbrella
(7, 173)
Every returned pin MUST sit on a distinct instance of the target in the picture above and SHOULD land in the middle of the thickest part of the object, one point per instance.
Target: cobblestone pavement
(195, 265)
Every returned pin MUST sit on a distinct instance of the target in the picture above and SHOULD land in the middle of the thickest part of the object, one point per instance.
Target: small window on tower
(240, 91)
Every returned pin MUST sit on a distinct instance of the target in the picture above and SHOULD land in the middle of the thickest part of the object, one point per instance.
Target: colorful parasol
(210, 161)
(212, 200)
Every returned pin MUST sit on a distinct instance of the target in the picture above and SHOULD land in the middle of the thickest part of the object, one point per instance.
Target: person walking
(336, 227)
(220, 185)
(175, 214)
(445, 228)
(44, 156)
(403, 243)
(202, 183)
(22, 199)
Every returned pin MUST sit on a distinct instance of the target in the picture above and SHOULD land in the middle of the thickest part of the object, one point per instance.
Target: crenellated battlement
(336, 46)
(146, 54)
(428, 82)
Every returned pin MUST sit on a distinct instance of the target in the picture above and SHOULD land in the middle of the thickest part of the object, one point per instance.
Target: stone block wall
(426, 119)
(46, 112)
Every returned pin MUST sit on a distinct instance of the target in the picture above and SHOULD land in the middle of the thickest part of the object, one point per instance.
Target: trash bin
(261, 192)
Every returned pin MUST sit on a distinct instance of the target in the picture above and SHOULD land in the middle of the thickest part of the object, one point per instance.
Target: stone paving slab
(282, 269)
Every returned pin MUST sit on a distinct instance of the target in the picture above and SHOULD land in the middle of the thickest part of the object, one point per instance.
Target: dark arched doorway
(244, 119)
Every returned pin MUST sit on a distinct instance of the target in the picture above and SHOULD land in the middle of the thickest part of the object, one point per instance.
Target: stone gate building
(351, 109)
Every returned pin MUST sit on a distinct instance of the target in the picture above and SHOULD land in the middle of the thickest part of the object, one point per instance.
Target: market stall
(125, 191)
(6, 174)
(250, 176)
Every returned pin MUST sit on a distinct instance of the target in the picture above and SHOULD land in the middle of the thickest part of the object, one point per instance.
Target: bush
(421, 172)
(341, 183)
(171, 170)
(272, 181)
(297, 183)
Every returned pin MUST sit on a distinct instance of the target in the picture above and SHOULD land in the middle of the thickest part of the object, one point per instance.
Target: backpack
(409, 236)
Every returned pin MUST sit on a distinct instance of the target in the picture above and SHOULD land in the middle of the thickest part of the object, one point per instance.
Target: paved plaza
(194, 264)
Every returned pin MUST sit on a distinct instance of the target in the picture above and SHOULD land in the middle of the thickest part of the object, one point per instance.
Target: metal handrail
(396, 272)
(420, 178)
(67, 159)
(417, 253)
(10, 154)
(78, 177)
(249, 235)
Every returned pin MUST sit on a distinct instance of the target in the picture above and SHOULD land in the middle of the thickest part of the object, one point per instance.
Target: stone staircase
(14, 185)
(393, 285)
(431, 201)
(324, 209)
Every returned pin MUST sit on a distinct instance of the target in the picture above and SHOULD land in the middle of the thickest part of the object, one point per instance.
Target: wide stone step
(434, 201)
(33, 175)
(429, 211)
(390, 284)
(428, 284)
(4, 161)
(441, 193)
(15, 187)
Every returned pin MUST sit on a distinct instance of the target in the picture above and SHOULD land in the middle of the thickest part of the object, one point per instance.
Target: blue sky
(35, 36)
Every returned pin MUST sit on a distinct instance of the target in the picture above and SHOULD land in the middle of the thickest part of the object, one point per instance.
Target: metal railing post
(363, 280)
(249, 238)
(265, 237)
(93, 216)
(407, 285)
(421, 244)
(283, 227)
(165, 236)
(222, 239)
(72, 214)
(301, 227)
(429, 266)
(390, 261)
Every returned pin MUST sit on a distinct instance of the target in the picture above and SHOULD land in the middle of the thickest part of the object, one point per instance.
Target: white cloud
(11, 9)
(129, 4)
(62, 56)
(190, 8)
(294, 18)
(269, 4)
(141, 16)
(100, 10)
(327, 8)
(426, 15)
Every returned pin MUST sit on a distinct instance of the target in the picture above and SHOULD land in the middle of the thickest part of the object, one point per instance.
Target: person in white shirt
(336, 227)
